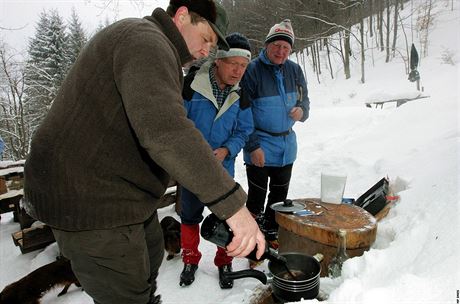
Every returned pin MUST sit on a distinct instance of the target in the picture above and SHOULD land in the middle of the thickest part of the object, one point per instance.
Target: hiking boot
(187, 275)
(225, 283)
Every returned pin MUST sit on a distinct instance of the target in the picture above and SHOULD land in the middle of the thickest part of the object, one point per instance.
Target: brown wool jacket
(118, 130)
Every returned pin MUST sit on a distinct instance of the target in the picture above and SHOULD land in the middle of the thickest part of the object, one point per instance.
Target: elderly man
(213, 101)
(278, 94)
(115, 134)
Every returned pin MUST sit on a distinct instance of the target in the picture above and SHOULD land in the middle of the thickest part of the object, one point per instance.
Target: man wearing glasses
(277, 90)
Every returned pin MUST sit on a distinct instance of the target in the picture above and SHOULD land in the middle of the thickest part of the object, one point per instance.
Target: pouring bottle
(335, 266)
(218, 232)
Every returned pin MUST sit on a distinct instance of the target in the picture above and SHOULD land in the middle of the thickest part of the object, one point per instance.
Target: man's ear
(181, 16)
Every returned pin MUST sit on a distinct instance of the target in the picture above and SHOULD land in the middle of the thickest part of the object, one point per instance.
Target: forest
(324, 30)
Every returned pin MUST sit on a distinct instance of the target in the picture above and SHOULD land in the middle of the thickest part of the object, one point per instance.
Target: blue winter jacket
(228, 127)
(273, 90)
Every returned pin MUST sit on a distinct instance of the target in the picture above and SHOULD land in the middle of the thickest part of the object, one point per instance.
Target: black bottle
(218, 232)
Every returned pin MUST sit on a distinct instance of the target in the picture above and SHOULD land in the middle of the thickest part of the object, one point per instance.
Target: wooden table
(318, 233)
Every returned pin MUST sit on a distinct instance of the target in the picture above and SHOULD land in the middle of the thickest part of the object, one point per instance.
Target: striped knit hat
(281, 31)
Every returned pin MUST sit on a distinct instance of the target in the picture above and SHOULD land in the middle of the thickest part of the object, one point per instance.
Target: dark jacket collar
(164, 21)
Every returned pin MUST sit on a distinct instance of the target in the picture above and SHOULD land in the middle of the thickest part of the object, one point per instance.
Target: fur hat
(281, 31)
(210, 10)
(239, 46)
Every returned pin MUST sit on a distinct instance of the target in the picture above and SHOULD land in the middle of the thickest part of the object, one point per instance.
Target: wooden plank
(17, 237)
(14, 171)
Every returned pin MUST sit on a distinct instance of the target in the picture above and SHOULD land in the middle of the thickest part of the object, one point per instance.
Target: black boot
(188, 274)
(155, 300)
(225, 283)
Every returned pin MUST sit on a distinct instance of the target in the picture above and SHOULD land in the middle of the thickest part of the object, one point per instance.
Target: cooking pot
(297, 279)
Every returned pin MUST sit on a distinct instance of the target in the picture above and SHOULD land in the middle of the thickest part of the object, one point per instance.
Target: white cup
(332, 188)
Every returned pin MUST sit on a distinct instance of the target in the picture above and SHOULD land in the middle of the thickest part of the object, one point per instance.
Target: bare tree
(361, 30)
(387, 58)
(13, 125)
(424, 23)
(380, 24)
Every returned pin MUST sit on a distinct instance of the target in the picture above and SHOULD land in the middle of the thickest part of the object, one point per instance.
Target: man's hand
(246, 235)
(258, 157)
(221, 153)
(296, 113)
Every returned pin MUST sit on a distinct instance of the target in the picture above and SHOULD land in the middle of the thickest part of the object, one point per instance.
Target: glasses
(282, 47)
(235, 64)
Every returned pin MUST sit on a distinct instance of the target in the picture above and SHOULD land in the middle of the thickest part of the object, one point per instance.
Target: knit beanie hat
(281, 31)
(239, 46)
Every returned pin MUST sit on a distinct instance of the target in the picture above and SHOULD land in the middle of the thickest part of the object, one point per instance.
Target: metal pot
(286, 288)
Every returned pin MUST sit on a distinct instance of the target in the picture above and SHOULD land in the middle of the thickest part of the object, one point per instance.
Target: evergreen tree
(76, 38)
(46, 65)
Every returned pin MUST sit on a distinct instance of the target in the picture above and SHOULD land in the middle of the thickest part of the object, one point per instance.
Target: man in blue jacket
(277, 91)
(212, 100)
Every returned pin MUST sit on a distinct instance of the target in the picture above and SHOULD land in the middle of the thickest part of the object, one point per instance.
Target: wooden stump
(318, 233)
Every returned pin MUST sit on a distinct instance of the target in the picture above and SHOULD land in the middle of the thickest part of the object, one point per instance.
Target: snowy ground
(415, 256)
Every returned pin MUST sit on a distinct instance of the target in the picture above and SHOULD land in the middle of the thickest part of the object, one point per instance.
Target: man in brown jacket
(116, 133)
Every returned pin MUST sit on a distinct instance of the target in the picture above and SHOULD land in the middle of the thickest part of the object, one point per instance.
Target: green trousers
(118, 265)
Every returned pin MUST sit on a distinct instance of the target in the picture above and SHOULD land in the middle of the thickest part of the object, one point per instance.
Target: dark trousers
(117, 265)
(278, 189)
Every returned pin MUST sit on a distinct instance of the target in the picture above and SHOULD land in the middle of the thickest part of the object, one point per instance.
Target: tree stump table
(311, 234)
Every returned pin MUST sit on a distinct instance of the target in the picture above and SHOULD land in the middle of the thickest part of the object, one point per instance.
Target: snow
(415, 256)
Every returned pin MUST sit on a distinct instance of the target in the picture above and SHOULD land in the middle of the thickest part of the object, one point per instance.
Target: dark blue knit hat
(239, 46)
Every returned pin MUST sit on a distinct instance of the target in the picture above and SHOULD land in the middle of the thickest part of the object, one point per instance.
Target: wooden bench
(11, 183)
(398, 102)
(9, 202)
(33, 238)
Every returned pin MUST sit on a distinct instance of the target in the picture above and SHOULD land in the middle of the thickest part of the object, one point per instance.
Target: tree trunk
(361, 30)
(371, 8)
(380, 25)
(318, 60)
(395, 28)
(329, 58)
(387, 58)
(313, 56)
(347, 51)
